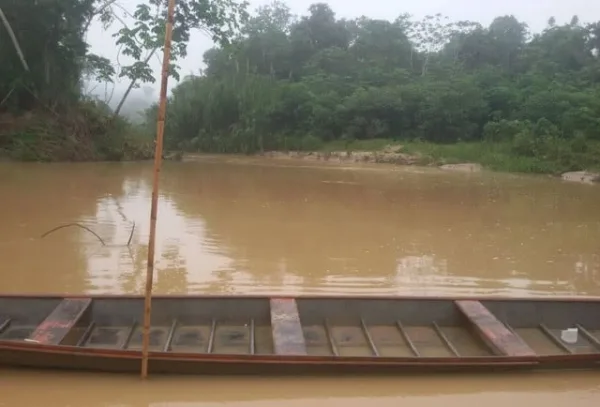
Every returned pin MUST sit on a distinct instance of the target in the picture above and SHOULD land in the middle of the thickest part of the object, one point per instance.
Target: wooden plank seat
(492, 331)
(288, 336)
(60, 321)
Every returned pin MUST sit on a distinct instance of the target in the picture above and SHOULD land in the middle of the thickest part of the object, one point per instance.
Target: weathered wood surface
(60, 321)
(494, 331)
(288, 336)
(4, 323)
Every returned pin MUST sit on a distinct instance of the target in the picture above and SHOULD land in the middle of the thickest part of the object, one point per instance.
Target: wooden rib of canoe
(305, 334)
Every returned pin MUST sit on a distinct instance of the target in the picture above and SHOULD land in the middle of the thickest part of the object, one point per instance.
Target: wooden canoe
(304, 334)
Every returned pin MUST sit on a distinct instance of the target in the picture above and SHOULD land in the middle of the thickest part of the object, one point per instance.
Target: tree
(45, 69)
(294, 83)
(220, 19)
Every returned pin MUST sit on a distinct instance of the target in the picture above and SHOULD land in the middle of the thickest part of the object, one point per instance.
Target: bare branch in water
(131, 234)
(79, 226)
(120, 210)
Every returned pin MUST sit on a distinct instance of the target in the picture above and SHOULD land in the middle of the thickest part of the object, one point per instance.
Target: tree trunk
(131, 85)
(13, 38)
(425, 63)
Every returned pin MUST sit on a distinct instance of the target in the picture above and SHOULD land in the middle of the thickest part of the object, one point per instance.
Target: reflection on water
(254, 227)
(249, 226)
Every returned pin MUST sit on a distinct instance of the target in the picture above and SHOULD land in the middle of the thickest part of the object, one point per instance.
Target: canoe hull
(299, 336)
(35, 359)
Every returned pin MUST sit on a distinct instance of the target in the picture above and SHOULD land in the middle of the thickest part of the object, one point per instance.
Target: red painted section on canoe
(60, 321)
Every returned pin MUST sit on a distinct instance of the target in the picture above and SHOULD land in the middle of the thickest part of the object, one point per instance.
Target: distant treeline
(296, 83)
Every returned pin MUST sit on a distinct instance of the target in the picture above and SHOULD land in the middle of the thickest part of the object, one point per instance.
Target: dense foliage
(296, 83)
(44, 114)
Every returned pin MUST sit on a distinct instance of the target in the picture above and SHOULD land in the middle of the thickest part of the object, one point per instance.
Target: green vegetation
(44, 111)
(446, 91)
(552, 156)
(452, 91)
(539, 155)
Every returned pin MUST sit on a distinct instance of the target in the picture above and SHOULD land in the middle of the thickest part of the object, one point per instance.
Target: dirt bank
(389, 155)
(395, 155)
(584, 177)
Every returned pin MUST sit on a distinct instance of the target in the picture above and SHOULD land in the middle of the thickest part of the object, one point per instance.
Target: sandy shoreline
(391, 156)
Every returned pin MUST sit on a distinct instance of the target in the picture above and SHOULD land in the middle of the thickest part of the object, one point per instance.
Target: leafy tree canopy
(289, 82)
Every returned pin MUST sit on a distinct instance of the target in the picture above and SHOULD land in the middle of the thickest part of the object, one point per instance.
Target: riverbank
(567, 163)
(562, 160)
(542, 157)
(86, 132)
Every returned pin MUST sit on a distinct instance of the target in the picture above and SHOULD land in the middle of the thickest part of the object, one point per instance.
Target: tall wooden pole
(160, 129)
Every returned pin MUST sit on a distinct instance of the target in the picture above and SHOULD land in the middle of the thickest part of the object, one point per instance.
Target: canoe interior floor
(547, 341)
(326, 339)
(392, 341)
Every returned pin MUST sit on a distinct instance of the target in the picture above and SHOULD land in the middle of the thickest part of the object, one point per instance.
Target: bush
(87, 131)
(311, 143)
(504, 130)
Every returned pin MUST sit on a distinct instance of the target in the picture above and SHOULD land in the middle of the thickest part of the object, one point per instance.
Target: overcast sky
(534, 12)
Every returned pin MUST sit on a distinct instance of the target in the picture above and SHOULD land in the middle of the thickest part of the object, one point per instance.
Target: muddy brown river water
(248, 225)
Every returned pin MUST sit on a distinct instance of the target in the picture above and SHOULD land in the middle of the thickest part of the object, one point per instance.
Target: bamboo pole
(160, 128)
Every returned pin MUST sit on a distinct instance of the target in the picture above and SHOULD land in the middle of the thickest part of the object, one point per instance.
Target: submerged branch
(131, 234)
(89, 230)
(120, 210)
(77, 225)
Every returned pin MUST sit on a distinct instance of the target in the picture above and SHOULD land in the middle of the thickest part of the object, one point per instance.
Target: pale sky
(534, 12)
